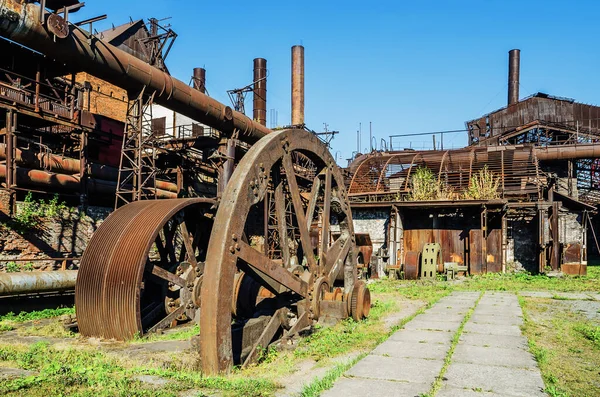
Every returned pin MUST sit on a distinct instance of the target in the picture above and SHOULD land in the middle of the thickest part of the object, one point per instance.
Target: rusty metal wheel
(139, 270)
(271, 258)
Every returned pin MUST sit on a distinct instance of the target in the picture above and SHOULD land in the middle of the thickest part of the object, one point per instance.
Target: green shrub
(31, 213)
(425, 186)
(483, 185)
(13, 267)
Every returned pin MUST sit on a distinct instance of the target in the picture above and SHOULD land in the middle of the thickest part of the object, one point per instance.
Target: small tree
(483, 185)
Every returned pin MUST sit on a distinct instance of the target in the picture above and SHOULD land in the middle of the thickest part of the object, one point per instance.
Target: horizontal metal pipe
(69, 166)
(481, 154)
(569, 152)
(29, 177)
(59, 164)
(21, 23)
(35, 282)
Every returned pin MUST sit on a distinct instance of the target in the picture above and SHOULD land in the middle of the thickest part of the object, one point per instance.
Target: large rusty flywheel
(270, 268)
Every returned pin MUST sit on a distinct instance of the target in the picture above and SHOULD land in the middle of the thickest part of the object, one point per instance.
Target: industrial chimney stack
(297, 85)
(200, 79)
(514, 61)
(260, 91)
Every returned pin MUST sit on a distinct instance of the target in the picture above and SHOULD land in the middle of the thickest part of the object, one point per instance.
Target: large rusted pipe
(36, 282)
(71, 183)
(568, 152)
(481, 154)
(260, 91)
(297, 85)
(59, 164)
(21, 23)
(514, 65)
(200, 79)
(70, 166)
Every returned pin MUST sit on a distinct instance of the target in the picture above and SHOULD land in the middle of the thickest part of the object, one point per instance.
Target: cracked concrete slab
(397, 369)
(375, 388)
(507, 381)
(400, 349)
(515, 358)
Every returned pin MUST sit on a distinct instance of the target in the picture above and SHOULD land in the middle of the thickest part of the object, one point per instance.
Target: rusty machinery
(247, 262)
(256, 265)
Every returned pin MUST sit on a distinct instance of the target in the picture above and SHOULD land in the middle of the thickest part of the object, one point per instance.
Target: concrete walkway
(490, 359)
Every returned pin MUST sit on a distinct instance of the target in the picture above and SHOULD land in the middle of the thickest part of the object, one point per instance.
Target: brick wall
(105, 99)
(67, 235)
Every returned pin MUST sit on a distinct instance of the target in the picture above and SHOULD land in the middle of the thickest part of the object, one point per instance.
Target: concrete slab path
(491, 357)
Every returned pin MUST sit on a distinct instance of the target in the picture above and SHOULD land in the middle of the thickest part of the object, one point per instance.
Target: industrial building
(542, 156)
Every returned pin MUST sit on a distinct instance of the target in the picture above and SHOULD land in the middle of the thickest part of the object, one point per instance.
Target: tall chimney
(260, 91)
(200, 79)
(514, 61)
(297, 85)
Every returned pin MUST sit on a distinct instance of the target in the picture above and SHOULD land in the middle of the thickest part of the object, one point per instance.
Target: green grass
(589, 331)
(565, 346)
(181, 333)
(319, 385)
(37, 315)
(514, 282)
(85, 372)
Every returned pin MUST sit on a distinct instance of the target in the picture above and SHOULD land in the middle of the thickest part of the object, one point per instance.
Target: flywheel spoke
(312, 203)
(188, 244)
(265, 266)
(282, 226)
(299, 211)
(164, 323)
(265, 338)
(168, 276)
(326, 216)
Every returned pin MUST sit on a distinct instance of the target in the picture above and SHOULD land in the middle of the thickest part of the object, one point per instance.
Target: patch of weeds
(12, 267)
(31, 213)
(562, 343)
(316, 387)
(5, 327)
(560, 298)
(181, 333)
(37, 315)
(86, 372)
(590, 332)
(52, 330)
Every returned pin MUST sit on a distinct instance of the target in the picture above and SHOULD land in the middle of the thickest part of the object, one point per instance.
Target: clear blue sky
(406, 66)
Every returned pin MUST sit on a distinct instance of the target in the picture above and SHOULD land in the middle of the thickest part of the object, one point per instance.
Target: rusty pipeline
(36, 282)
(71, 183)
(59, 164)
(20, 22)
(514, 65)
(260, 91)
(297, 85)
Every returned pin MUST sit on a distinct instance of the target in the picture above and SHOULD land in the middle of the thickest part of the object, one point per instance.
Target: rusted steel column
(297, 85)
(514, 61)
(20, 22)
(200, 79)
(228, 166)
(35, 282)
(10, 161)
(259, 113)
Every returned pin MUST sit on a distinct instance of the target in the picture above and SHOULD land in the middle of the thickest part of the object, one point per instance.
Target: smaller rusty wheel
(411, 265)
(360, 301)
(142, 268)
